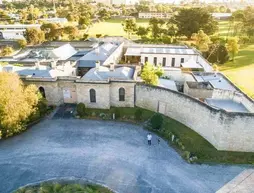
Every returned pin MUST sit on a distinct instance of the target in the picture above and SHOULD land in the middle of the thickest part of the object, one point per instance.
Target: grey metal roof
(216, 80)
(134, 51)
(227, 105)
(100, 53)
(104, 73)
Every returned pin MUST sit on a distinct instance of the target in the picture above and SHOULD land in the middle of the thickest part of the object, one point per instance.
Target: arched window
(121, 94)
(42, 91)
(92, 96)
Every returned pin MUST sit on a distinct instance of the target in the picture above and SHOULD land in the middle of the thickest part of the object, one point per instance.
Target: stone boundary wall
(224, 130)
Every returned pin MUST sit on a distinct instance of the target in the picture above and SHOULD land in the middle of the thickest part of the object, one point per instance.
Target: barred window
(121, 94)
(92, 96)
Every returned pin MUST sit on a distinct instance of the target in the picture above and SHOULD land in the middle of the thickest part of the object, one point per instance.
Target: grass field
(241, 71)
(113, 27)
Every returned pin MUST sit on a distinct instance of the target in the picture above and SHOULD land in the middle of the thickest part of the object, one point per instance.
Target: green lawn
(241, 71)
(187, 139)
(67, 188)
(112, 27)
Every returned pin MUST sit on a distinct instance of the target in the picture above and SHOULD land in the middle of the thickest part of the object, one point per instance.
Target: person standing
(149, 138)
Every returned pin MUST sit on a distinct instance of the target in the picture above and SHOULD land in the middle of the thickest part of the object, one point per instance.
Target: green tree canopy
(156, 26)
(34, 36)
(233, 46)
(7, 51)
(142, 31)
(150, 74)
(17, 103)
(192, 20)
(130, 26)
(202, 40)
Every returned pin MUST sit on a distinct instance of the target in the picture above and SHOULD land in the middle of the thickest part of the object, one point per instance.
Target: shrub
(22, 43)
(98, 35)
(157, 121)
(138, 114)
(81, 109)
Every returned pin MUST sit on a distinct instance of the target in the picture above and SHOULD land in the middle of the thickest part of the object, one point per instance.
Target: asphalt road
(113, 154)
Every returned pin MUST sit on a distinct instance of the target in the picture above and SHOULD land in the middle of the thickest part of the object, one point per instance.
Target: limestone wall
(102, 94)
(226, 131)
(129, 94)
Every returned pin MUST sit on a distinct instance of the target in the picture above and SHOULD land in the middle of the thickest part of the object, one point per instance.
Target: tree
(7, 51)
(22, 43)
(233, 46)
(129, 26)
(156, 26)
(72, 32)
(84, 21)
(151, 74)
(192, 20)
(104, 14)
(217, 54)
(34, 36)
(17, 103)
(156, 121)
(142, 32)
(202, 41)
(52, 31)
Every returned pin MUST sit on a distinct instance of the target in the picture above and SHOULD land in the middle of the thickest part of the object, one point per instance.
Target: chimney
(97, 51)
(37, 65)
(112, 67)
(53, 64)
(97, 65)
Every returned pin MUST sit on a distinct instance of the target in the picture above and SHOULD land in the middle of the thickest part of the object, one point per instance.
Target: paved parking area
(110, 153)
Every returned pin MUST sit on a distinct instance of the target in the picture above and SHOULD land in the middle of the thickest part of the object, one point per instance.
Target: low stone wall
(226, 131)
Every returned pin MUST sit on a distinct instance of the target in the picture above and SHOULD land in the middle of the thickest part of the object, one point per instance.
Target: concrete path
(113, 154)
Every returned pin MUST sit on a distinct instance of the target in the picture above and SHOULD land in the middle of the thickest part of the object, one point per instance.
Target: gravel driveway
(113, 154)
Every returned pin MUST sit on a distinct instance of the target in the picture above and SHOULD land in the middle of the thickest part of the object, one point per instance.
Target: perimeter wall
(224, 130)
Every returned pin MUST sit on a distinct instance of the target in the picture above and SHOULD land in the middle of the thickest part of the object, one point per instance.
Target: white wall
(12, 34)
(168, 58)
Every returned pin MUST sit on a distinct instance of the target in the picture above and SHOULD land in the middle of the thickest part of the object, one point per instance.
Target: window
(164, 62)
(42, 91)
(155, 61)
(182, 60)
(121, 94)
(173, 62)
(146, 59)
(92, 96)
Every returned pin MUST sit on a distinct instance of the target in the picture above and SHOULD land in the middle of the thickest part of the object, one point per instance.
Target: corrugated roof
(227, 105)
(104, 73)
(100, 53)
(159, 50)
(63, 52)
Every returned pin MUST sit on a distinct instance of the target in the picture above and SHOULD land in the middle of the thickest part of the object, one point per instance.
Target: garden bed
(63, 188)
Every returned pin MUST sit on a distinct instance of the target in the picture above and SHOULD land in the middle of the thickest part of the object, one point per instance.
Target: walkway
(113, 154)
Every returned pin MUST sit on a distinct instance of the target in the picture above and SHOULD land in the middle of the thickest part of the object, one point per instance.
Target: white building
(125, 2)
(175, 56)
(15, 31)
(149, 15)
(54, 20)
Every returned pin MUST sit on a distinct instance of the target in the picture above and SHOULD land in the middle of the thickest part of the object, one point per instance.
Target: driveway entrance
(110, 153)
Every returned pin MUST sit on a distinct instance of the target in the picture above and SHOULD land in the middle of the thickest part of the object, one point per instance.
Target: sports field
(241, 71)
(112, 27)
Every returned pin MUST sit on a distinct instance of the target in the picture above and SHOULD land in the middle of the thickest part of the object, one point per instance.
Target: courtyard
(113, 154)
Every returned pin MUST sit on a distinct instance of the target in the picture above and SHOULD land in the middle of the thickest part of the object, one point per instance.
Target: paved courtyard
(113, 154)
